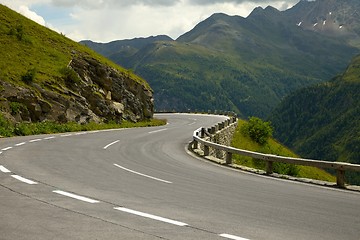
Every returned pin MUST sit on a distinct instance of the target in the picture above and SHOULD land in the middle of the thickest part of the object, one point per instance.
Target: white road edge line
(156, 131)
(141, 174)
(80, 133)
(224, 235)
(66, 135)
(25, 180)
(48, 138)
(71, 195)
(7, 148)
(4, 169)
(108, 130)
(111, 144)
(146, 215)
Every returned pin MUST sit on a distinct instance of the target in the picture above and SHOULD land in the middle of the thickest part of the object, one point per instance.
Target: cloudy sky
(107, 20)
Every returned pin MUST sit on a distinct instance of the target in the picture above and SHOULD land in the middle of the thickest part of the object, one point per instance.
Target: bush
(17, 107)
(70, 76)
(29, 76)
(6, 128)
(258, 130)
(18, 31)
(22, 129)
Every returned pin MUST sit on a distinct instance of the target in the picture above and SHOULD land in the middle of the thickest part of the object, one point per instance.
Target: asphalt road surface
(142, 184)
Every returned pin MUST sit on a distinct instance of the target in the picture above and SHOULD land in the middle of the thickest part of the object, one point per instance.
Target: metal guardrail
(340, 167)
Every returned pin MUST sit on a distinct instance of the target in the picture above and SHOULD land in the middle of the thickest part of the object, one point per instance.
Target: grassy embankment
(22, 129)
(273, 147)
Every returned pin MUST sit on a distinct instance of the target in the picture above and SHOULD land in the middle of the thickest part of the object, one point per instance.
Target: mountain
(329, 17)
(322, 121)
(247, 65)
(45, 76)
(121, 50)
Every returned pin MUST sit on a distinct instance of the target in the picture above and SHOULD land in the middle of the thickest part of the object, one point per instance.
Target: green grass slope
(25, 45)
(243, 141)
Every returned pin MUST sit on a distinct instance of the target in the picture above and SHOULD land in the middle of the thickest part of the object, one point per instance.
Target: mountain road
(141, 183)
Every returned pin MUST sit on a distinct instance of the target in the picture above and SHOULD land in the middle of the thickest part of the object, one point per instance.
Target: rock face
(94, 92)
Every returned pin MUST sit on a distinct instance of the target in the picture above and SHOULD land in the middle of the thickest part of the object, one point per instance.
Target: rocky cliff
(93, 92)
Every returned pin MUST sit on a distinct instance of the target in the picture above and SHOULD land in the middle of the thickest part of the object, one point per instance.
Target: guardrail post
(340, 178)
(202, 132)
(228, 158)
(269, 167)
(195, 144)
(206, 150)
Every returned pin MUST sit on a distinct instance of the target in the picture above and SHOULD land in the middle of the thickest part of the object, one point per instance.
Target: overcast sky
(108, 20)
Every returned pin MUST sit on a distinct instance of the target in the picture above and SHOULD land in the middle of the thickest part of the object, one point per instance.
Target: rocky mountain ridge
(329, 17)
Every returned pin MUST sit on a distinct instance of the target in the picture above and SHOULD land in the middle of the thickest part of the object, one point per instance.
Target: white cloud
(89, 4)
(107, 20)
(24, 10)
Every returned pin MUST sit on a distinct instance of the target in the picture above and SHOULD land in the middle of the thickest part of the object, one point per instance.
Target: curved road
(141, 184)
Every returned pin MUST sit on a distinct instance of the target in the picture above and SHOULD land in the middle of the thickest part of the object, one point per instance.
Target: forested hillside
(323, 121)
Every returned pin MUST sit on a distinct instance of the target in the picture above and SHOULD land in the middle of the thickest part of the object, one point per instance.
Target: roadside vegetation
(255, 135)
(8, 129)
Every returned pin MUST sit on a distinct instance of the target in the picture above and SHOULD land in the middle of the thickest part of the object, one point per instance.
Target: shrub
(17, 107)
(6, 128)
(286, 169)
(18, 31)
(258, 130)
(22, 129)
(70, 76)
(29, 76)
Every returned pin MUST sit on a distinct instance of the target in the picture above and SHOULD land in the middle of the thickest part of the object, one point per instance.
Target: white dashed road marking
(164, 129)
(111, 144)
(228, 236)
(141, 174)
(25, 180)
(7, 148)
(4, 169)
(78, 197)
(20, 144)
(146, 215)
(35, 140)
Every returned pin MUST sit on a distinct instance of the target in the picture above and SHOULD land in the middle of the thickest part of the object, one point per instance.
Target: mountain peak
(268, 12)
